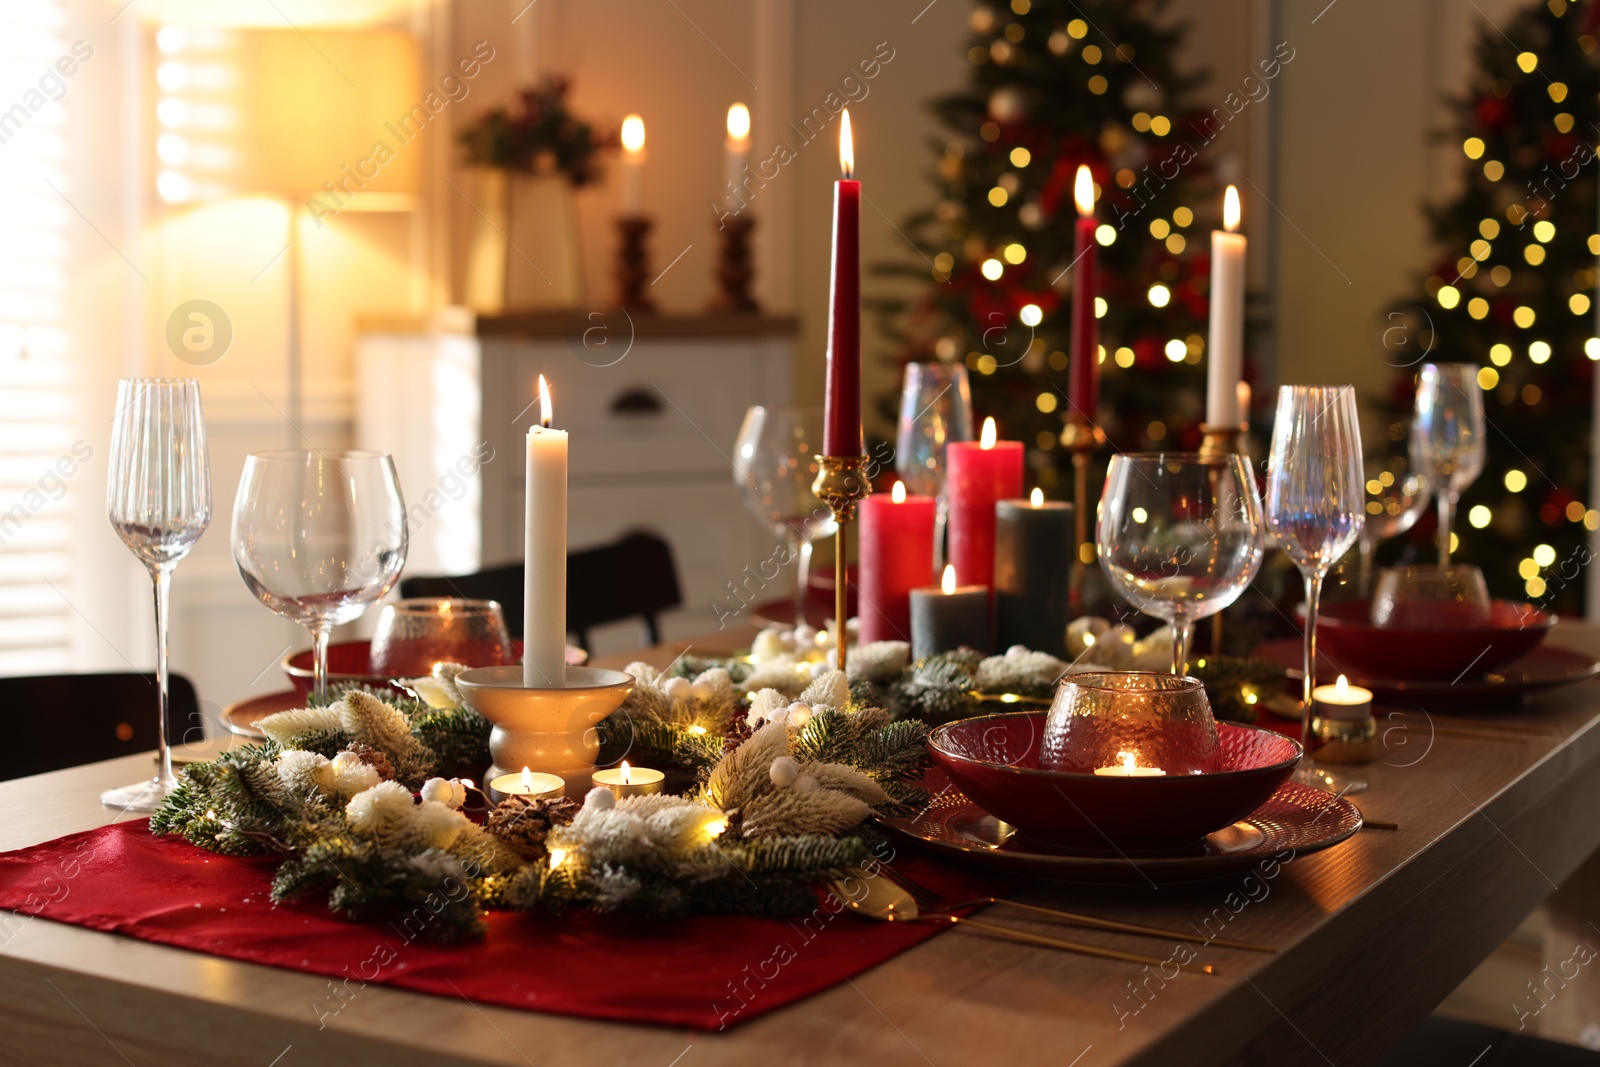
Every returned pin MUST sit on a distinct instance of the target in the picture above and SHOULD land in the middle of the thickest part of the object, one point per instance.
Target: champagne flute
(1447, 437)
(1180, 536)
(1315, 510)
(319, 537)
(935, 409)
(774, 464)
(158, 497)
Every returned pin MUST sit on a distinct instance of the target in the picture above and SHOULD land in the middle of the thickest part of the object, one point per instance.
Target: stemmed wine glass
(319, 537)
(1180, 536)
(158, 496)
(1447, 437)
(1396, 499)
(935, 409)
(1315, 509)
(774, 464)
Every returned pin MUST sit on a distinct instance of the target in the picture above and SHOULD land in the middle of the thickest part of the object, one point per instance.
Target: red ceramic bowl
(995, 761)
(1345, 634)
(350, 661)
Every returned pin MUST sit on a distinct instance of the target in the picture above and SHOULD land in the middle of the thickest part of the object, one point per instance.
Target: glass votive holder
(1132, 724)
(413, 635)
(1431, 598)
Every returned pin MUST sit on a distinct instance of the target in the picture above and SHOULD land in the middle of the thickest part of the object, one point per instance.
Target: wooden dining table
(1494, 809)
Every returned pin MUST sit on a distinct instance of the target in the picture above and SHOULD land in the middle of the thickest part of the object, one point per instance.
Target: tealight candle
(1341, 720)
(626, 781)
(535, 785)
(1128, 767)
(1341, 700)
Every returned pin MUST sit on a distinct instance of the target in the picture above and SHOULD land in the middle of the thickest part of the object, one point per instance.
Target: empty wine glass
(935, 409)
(774, 464)
(1315, 508)
(1447, 437)
(319, 537)
(158, 497)
(1396, 499)
(1180, 536)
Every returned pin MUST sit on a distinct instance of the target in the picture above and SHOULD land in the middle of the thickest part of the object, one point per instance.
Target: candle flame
(627, 773)
(948, 582)
(1036, 498)
(1130, 762)
(847, 146)
(898, 493)
(738, 122)
(987, 438)
(633, 134)
(1243, 394)
(1341, 689)
(1083, 191)
(544, 402)
(1230, 209)
(527, 779)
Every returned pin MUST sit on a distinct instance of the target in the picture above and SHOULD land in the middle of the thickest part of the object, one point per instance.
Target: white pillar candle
(632, 166)
(544, 589)
(738, 152)
(1225, 350)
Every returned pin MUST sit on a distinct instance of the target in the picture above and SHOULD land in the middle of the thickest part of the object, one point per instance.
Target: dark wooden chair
(64, 720)
(634, 577)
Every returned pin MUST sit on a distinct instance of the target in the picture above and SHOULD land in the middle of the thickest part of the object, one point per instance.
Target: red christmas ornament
(1492, 112)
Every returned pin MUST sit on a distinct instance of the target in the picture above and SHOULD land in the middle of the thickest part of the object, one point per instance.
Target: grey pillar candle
(1032, 573)
(946, 618)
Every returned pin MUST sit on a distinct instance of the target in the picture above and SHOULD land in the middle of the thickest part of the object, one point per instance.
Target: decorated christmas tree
(1512, 291)
(1056, 84)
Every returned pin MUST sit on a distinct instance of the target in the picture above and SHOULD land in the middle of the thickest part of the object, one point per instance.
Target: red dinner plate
(1294, 821)
(1544, 668)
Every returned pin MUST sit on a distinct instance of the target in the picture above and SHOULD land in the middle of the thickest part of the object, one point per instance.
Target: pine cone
(372, 757)
(738, 732)
(522, 824)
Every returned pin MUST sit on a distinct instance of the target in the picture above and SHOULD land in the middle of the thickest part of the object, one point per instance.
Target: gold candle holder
(1222, 440)
(1082, 438)
(841, 485)
(1218, 441)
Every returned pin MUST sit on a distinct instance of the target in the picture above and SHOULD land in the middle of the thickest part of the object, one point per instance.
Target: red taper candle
(979, 473)
(1083, 389)
(841, 435)
(896, 557)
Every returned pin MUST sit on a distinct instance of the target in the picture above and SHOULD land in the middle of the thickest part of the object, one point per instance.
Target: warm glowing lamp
(325, 120)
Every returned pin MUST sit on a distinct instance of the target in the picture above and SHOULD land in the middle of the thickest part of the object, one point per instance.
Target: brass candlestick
(1082, 438)
(1220, 441)
(840, 485)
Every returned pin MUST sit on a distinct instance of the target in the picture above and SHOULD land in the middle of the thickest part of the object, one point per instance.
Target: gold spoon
(878, 898)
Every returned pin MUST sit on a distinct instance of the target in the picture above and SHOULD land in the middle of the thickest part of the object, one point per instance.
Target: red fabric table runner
(708, 972)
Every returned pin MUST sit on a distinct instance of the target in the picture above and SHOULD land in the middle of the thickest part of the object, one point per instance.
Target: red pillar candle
(841, 434)
(896, 557)
(979, 473)
(1083, 388)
